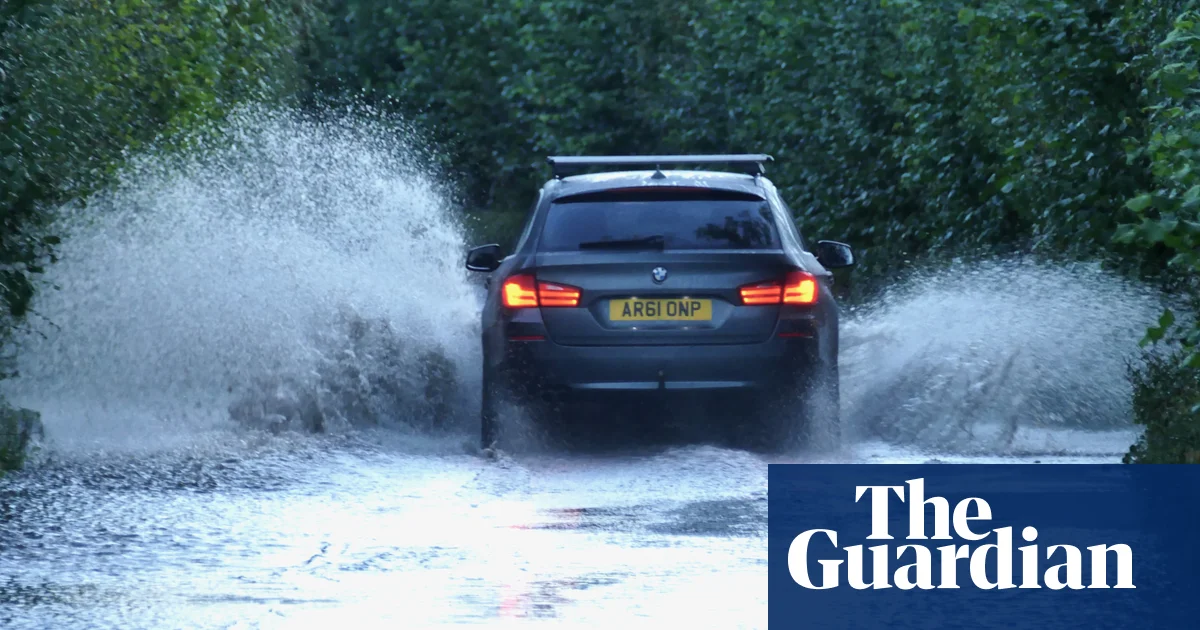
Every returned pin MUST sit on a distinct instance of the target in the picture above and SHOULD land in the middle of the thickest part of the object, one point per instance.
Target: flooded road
(249, 530)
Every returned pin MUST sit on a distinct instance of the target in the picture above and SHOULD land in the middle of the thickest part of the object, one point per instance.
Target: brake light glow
(801, 288)
(524, 291)
(763, 293)
(519, 292)
(557, 294)
(798, 287)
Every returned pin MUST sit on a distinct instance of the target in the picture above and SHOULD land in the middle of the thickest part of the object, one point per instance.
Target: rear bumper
(540, 367)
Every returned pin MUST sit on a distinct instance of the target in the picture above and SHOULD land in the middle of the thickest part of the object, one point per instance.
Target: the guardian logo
(920, 568)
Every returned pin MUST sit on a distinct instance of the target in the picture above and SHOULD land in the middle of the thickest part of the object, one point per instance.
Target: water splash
(979, 357)
(290, 269)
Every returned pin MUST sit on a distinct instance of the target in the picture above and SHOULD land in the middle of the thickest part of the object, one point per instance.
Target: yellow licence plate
(660, 309)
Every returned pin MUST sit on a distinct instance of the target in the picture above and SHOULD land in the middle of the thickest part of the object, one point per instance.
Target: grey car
(645, 282)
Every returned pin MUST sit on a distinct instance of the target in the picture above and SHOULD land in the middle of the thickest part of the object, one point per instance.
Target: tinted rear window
(685, 220)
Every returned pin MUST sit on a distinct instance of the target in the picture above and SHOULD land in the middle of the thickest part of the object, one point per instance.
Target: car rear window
(684, 219)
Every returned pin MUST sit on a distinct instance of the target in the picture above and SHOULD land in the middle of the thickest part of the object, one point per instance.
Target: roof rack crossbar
(567, 164)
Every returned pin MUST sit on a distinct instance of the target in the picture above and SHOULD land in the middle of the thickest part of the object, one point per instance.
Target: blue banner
(983, 546)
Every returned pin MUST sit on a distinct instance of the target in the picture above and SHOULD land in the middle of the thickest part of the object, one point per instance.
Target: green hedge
(1167, 388)
(1163, 394)
(908, 128)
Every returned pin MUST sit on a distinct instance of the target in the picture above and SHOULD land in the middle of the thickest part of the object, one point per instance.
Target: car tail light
(519, 292)
(762, 293)
(798, 287)
(550, 294)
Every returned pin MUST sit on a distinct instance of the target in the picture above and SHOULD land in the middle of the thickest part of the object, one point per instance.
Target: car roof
(716, 180)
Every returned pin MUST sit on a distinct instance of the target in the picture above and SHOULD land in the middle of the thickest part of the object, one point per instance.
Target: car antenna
(658, 174)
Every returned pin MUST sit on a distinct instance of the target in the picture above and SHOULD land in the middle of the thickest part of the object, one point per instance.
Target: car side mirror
(834, 255)
(484, 258)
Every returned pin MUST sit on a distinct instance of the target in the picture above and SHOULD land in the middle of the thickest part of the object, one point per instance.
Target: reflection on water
(542, 598)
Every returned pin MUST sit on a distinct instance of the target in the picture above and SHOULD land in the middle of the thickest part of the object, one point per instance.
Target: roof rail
(568, 164)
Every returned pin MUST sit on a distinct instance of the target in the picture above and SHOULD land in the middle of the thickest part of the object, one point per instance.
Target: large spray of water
(289, 272)
(967, 358)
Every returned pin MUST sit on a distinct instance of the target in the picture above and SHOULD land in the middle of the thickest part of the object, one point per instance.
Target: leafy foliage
(908, 128)
(1163, 394)
(1169, 212)
(1167, 397)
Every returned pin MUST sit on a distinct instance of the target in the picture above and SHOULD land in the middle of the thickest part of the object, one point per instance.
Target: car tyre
(807, 416)
(822, 410)
(488, 415)
(548, 414)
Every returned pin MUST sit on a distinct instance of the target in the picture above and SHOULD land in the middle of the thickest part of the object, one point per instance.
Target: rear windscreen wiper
(658, 241)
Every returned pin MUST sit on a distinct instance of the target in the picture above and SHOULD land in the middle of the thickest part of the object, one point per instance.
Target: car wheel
(548, 414)
(488, 416)
(822, 410)
(805, 416)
